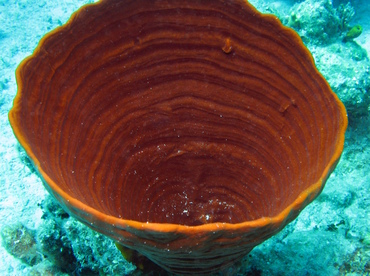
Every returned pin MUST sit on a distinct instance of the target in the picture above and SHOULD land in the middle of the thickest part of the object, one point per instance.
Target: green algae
(354, 32)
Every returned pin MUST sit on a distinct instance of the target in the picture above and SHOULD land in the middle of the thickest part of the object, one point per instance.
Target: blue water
(330, 237)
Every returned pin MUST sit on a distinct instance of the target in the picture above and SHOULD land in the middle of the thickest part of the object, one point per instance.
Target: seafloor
(330, 237)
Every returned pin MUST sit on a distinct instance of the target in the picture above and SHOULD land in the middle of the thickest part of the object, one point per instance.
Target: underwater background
(330, 237)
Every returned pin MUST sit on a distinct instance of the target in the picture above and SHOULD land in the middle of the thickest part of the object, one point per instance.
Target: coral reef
(319, 23)
(346, 67)
(94, 251)
(357, 262)
(46, 268)
(62, 246)
(81, 249)
(316, 22)
(345, 13)
(20, 242)
(56, 247)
